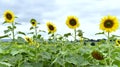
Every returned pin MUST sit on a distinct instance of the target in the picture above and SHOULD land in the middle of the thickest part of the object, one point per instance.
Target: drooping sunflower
(33, 22)
(97, 55)
(117, 42)
(29, 40)
(9, 16)
(72, 22)
(109, 23)
(51, 27)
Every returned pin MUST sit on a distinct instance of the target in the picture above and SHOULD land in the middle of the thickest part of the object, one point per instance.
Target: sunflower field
(58, 50)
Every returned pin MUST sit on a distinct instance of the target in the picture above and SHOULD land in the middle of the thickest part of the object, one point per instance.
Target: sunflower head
(117, 42)
(33, 22)
(72, 22)
(51, 27)
(9, 16)
(109, 23)
(29, 40)
(97, 55)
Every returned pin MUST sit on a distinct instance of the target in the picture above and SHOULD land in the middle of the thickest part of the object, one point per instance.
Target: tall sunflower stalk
(109, 24)
(13, 33)
(9, 18)
(72, 22)
(34, 25)
(75, 34)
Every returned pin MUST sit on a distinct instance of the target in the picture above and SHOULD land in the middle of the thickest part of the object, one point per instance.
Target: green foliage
(58, 53)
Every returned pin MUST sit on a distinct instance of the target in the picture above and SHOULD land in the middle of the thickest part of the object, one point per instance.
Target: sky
(89, 13)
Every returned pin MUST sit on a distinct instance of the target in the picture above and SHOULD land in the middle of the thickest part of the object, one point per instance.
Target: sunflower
(72, 22)
(51, 27)
(9, 16)
(33, 22)
(97, 55)
(109, 23)
(29, 40)
(117, 42)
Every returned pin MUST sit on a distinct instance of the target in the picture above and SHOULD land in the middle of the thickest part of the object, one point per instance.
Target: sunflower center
(108, 23)
(9, 16)
(28, 40)
(119, 42)
(51, 27)
(72, 22)
(33, 23)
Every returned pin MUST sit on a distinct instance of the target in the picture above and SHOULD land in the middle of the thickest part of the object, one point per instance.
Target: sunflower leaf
(9, 27)
(6, 31)
(19, 32)
(67, 34)
(31, 33)
(14, 27)
(31, 28)
(6, 64)
(16, 17)
(42, 31)
(4, 36)
(4, 22)
(17, 23)
(38, 23)
(39, 36)
(99, 33)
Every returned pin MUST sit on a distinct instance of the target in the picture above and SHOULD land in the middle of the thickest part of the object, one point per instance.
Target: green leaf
(42, 31)
(31, 33)
(67, 34)
(16, 17)
(14, 52)
(20, 40)
(31, 28)
(17, 23)
(4, 22)
(46, 55)
(38, 64)
(9, 27)
(6, 31)
(14, 27)
(19, 32)
(38, 23)
(4, 36)
(80, 33)
(5, 64)
(26, 64)
(39, 36)
(99, 33)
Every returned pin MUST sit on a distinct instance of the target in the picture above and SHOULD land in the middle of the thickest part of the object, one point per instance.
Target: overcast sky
(89, 13)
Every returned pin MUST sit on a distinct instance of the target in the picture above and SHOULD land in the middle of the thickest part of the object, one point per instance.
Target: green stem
(108, 35)
(75, 34)
(53, 36)
(13, 33)
(36, 32)
(109, 50)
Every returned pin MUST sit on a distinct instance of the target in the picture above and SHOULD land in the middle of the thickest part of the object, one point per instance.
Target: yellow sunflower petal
(9, 16)
(109, 23)
(72, 22)
(118, 42)
(51, 27)
(29, 40)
